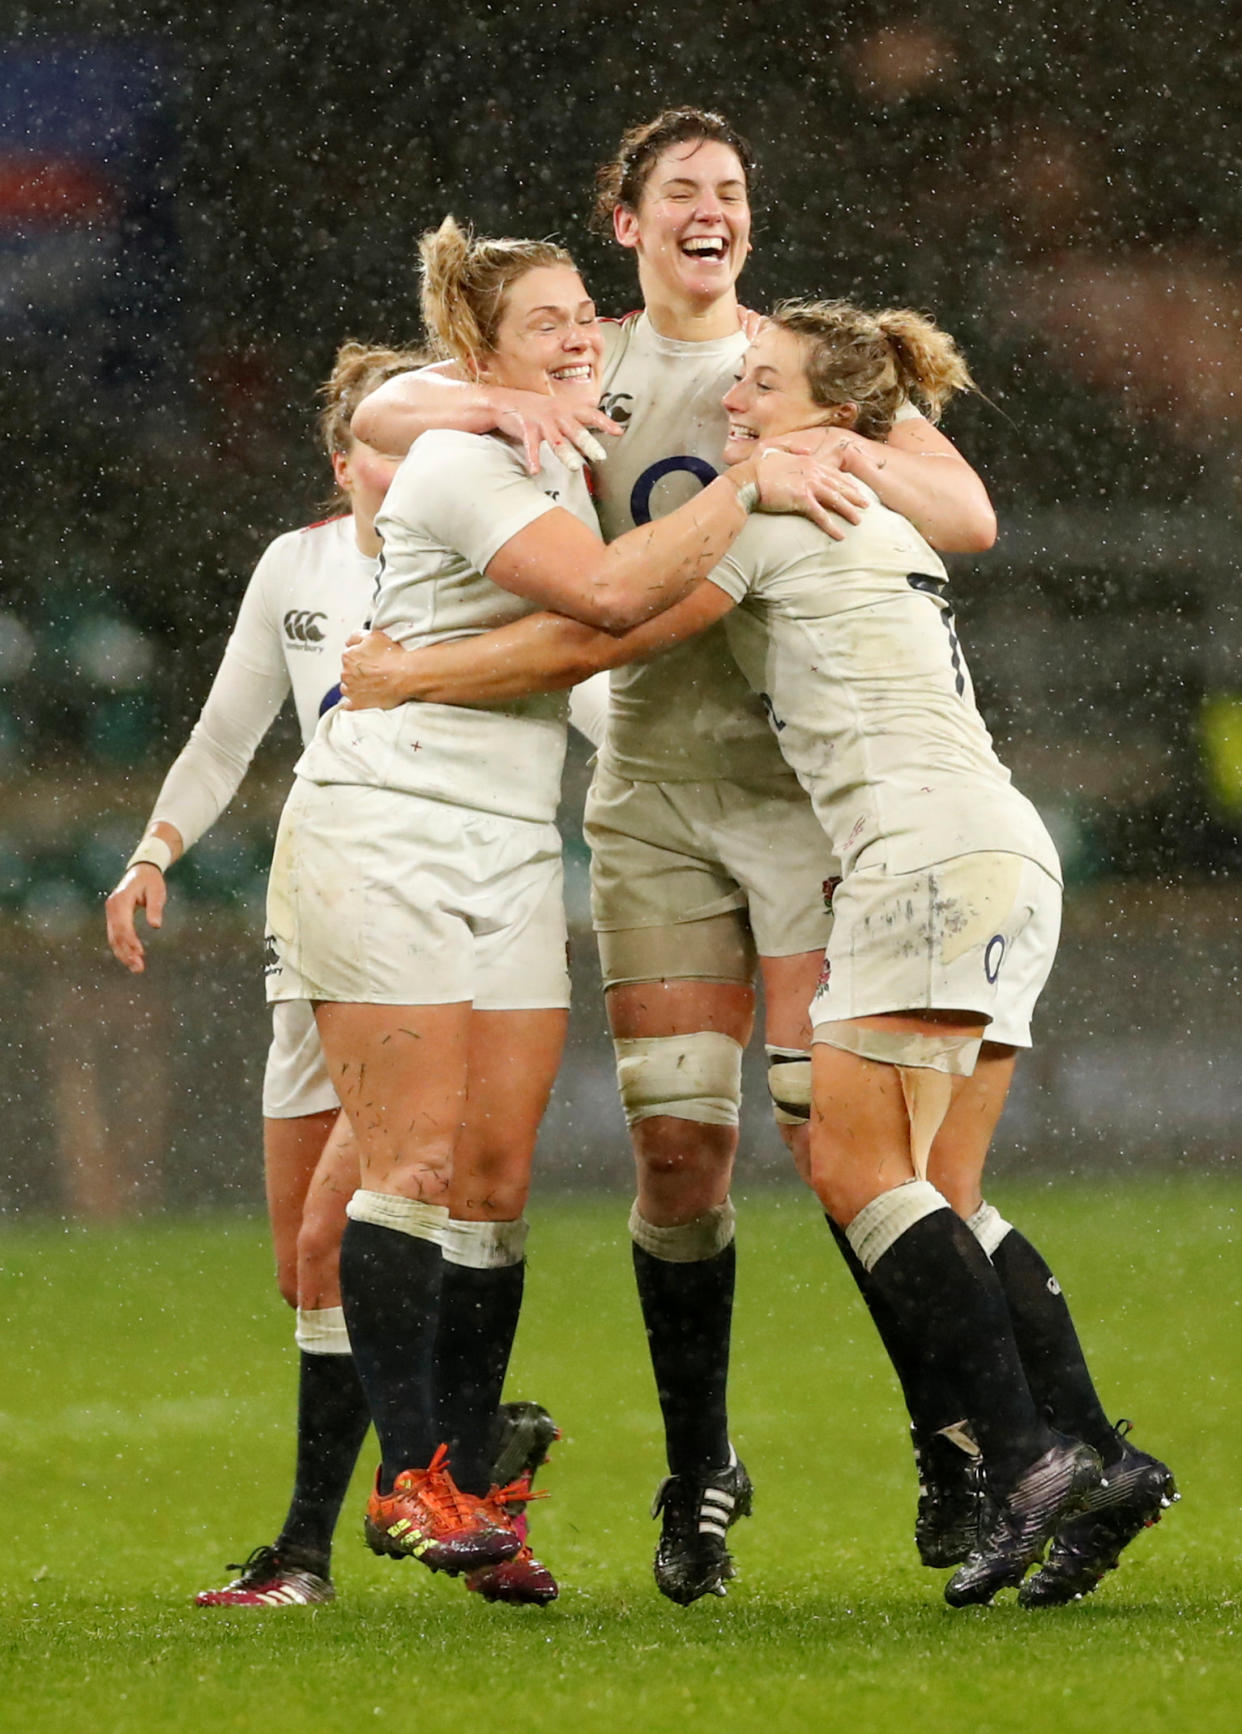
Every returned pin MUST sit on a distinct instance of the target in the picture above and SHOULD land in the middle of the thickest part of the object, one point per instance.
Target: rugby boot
(522, 1579)
(1015, 1530)
(269, 1580)
(950, 1471)
(691, 1558)
(521, 1436)
(427, 1517)
(1137, 1490)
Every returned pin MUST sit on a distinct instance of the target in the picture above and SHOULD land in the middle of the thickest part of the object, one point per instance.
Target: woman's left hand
(375, 673)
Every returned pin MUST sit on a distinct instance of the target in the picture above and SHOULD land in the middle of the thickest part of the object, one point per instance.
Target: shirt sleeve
(588, 707)
(250, 686)
(467, 492)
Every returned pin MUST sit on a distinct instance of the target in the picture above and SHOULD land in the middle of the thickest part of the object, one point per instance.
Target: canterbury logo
(618, 406)
(302, 626)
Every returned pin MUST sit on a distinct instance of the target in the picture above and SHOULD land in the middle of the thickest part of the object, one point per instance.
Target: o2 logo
(640, 497)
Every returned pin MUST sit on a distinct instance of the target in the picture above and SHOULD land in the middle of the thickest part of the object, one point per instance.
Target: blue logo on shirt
(644, 487)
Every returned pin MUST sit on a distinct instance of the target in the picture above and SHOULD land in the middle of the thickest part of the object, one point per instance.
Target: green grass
(145, 1440)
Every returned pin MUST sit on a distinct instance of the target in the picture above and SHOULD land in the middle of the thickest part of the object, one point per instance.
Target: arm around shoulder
(922, 475)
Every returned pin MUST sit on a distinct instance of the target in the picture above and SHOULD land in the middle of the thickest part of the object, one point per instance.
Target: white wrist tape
(153, 851)
(748, 497)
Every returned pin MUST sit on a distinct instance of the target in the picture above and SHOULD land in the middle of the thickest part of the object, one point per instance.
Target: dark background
(198, 203)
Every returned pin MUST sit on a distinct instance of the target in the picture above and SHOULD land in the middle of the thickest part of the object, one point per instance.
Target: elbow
(614, 614)
(971, 532)
(616, 608)
(986, 529)
(980, 532)
(619, 619)
(364, 423)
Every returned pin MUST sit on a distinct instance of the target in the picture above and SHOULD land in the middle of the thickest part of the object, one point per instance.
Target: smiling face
(773, 396)
(548, 338)
(691, 226)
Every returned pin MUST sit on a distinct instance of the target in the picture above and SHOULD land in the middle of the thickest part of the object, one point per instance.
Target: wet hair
(875, 360)
(466, 280)
(357, 369)
(621, 180)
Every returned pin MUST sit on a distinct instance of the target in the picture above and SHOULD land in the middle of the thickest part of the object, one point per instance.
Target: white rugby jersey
(454, 503)
(311, 589)
(686, 715)
(853, 651)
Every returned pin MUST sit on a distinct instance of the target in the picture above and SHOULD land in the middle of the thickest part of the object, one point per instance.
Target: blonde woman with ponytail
(946, 918)
(415, 897)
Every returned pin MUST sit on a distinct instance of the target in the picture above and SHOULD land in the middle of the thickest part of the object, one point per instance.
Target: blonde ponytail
(465, 281)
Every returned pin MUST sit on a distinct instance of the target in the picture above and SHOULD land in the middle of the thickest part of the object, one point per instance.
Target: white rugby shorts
(663, 854)
(295, 1079)
(379, 897)
(975, 934)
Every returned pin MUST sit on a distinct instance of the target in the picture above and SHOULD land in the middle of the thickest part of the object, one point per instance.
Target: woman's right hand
(142, 887)
(819, 490)
(528, 419)
(375, 673)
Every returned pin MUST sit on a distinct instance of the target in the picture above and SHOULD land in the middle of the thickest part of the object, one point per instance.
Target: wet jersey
(311, 589)
(686, 715)
(454, 503)
(852, 648)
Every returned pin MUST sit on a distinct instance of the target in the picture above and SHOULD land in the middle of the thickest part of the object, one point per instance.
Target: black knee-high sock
(390, 1291)
(688, 1311)
(332, 1422)
(940, 1284)
(930, 1403)
(478, 1320)
(1056, 1368)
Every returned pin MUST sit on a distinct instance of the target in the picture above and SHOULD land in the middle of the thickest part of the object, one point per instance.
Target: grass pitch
(145, 1440)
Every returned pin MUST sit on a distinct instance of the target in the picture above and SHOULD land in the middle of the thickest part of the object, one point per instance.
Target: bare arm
(922, 475)
(558, 564)
(404, 407)
(540, 653)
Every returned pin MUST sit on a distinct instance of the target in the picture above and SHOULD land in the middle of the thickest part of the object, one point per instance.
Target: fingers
(123, 937)
(354, 638)
(590, 447)
(568, 434)
(830, 525)
(835, 499)
(157, 897)
(569, 456)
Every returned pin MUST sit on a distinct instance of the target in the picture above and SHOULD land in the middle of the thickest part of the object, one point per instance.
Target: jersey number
(936, 587)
